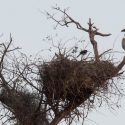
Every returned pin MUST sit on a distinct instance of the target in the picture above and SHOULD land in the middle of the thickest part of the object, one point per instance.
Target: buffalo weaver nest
(69, 79)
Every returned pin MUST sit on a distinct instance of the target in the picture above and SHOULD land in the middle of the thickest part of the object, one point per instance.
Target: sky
(28, 27)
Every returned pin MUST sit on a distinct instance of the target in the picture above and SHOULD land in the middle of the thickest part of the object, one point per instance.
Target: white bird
(123, 40)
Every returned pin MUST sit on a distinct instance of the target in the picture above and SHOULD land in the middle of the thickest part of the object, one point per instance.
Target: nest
(68, 79)
(24, 105)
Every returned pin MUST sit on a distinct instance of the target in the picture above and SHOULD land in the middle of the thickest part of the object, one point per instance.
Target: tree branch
(120, 66)
(66, 19)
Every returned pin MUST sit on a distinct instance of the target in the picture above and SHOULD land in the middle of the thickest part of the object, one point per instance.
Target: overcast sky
(29, 27)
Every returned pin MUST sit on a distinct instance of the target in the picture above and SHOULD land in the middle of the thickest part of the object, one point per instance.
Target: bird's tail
(78, 55)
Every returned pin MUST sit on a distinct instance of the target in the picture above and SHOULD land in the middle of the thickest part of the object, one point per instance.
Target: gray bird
(123, 40)
(83, 52)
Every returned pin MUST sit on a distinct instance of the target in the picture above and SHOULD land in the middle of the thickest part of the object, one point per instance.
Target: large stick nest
(69, 79)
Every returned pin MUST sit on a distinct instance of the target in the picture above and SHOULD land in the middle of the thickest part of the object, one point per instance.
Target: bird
(83, 52)
(123, 43)
(123, 30)
(123, 40)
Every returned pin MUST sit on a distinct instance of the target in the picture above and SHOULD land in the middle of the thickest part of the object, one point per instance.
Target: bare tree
(97, 81)
(34, 91)
(19, 95)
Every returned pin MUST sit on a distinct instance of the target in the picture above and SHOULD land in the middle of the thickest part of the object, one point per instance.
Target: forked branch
(66, 19)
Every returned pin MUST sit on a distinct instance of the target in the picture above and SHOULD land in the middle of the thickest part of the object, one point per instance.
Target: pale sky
(29, 27)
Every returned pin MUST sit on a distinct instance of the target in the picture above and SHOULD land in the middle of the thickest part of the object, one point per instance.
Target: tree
(34, 91)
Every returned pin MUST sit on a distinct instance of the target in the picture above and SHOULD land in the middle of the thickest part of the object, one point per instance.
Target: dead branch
(120, 66)
(66, 19)
(104, 52)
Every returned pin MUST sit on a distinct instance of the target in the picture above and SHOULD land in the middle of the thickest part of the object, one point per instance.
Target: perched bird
(123, 43)
(83, 52)
(123, 30)
(123, 40)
